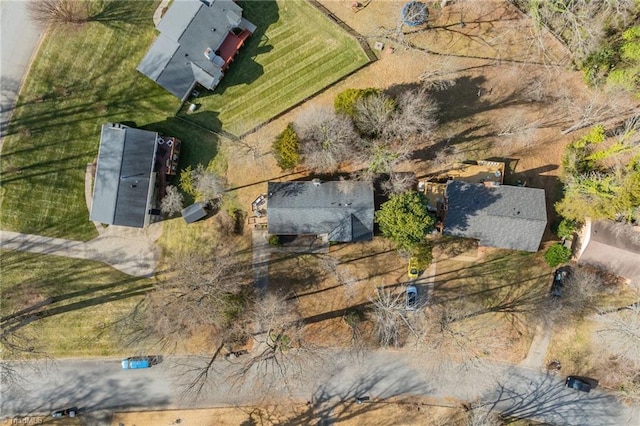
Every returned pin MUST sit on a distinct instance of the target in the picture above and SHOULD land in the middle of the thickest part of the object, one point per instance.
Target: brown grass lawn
(507, 283)
(573, 344)
(402, 412)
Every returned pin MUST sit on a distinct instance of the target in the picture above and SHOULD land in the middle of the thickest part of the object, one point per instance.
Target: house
(197, 42)
(501, 216)
(614, 247)
(339, 211)
(125, 177)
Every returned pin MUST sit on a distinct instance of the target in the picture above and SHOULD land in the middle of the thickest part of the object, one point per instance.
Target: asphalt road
(19, 39)
(100, 386)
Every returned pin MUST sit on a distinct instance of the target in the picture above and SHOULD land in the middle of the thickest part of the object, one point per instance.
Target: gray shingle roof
(508, 217)
(343, 210)
(124, 176)
(176, 60)
(613, 247)
(194, 212)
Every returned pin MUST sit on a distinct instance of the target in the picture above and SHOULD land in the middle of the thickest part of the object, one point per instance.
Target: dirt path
(130, 251)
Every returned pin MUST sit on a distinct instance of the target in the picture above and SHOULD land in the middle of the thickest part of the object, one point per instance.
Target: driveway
(98, 387)
(19, 40)
(129, 250)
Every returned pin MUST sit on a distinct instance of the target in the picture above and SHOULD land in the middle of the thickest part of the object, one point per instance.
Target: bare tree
(389, 317)
(281, 355)
(381, 156)
(619, 332)
(373, 114)
(202, 293)
(326, 138)
(415, 116)
(172, 201)
(398, 182)
(442, 73)
(209, 186)
(59, 11)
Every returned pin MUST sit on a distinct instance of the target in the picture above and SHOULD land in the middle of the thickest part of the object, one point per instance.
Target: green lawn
(295, 52)
(86, 299)
(82, 78)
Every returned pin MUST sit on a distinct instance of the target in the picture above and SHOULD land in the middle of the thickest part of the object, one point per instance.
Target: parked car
(67, 412)
(577, 383)
(412, 298)
(560, 277)
(412, 269)
(136, 362)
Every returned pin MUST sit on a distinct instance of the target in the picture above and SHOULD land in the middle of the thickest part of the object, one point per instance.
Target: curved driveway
(129, 250)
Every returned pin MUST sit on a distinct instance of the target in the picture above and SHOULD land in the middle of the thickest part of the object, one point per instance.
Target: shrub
(274, 240)
(286, 148)
(423, 253)
(186, 181)
(557, 254)
(345, 101)
(566, 228)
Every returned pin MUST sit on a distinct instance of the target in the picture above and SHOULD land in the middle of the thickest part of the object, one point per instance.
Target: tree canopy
(601, 175)
(405, 220)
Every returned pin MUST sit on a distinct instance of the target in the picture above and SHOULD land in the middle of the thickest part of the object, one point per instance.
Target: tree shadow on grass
(115, 13)
(244, 68)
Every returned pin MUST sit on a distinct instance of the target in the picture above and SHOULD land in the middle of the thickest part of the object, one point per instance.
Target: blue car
(137, 362)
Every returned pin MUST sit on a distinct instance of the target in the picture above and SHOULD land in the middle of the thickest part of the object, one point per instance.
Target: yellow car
(412, 270)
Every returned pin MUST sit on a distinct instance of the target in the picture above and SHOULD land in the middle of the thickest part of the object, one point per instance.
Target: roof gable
(503, 216)
(343, 210)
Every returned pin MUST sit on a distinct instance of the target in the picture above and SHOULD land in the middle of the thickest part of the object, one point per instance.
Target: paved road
(101, 386)
(19, 38)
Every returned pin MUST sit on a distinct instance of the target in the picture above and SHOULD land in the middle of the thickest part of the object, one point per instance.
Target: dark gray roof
(176, 60)
(124, 176)
(510, 217)
(613, 247)
(194, 212)
(343, 210)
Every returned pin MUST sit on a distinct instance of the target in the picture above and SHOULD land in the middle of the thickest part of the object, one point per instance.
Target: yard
(295, 52)
(66, 306)
(83, 77)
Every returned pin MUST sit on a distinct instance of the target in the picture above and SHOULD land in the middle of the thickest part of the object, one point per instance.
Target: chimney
(316, 182)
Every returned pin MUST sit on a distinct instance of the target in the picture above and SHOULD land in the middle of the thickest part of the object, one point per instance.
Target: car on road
(560, 277)
(411, 297)
(137, 362)
(412, 269)
(67, 412)
(577, 383)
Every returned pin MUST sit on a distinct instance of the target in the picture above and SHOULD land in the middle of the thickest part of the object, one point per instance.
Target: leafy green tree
(345, 101)
(557, 254)
(404, 219)
(286, 148)
(566, 228)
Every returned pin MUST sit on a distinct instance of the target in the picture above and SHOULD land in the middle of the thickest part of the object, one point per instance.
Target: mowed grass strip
(82, 78)
(74, 302)
(295, 52)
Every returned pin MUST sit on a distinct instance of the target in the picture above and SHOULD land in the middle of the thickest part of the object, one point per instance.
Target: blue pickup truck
(136, 362)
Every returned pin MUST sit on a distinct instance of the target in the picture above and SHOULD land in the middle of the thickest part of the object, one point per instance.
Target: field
(66, 307)
(295, 52)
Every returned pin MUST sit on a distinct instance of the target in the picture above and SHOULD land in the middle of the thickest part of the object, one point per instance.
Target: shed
(194, 212)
